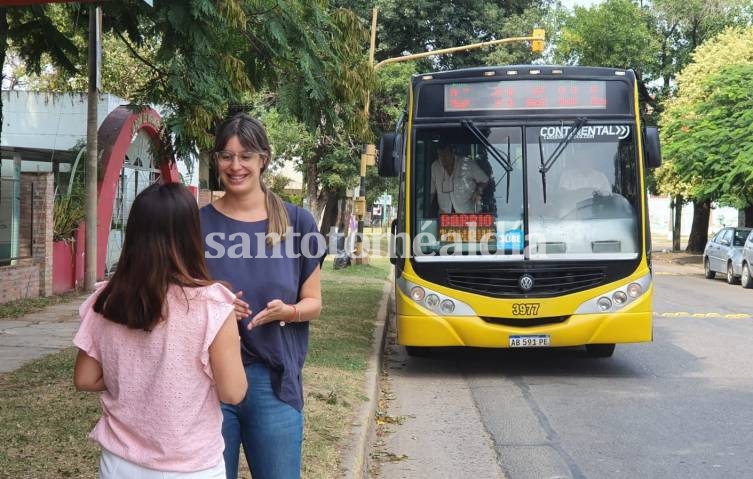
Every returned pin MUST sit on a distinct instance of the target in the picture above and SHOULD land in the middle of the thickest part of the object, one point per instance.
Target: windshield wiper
(499, 157)
(547, 165)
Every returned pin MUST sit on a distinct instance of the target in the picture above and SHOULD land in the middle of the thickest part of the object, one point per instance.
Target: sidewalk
(38, 334)
(677, 263)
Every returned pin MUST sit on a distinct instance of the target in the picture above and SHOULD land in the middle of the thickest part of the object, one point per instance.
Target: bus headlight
(417, 293)
(432, 301)
(437, 302)
(616, 299)
(619, 297)
(634, 290)
(447, 306)
(605, 304)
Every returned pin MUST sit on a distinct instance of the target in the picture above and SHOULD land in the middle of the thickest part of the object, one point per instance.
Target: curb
(355, 452)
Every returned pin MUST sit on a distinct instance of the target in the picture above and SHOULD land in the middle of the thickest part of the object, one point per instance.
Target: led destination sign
(525, 95)
(455, 227)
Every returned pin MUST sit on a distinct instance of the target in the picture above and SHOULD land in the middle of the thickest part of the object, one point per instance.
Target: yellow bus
(522, 211)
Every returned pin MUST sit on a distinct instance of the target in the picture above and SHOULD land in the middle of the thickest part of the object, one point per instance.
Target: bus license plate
(529, 341)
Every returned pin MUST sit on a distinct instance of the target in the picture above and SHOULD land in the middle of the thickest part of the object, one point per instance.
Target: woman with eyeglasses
(270, 252)
(160, 341)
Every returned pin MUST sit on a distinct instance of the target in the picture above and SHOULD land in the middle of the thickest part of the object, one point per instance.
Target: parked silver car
(746, 276)
(723, 253)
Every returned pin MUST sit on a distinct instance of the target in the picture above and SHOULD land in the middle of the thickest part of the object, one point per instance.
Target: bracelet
(294, 318)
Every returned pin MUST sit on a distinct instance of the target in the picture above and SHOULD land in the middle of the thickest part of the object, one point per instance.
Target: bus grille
(547, 281)
(525, 322)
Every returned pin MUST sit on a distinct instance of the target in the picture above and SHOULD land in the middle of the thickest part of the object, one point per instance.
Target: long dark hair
(252, 135)
(163, 247)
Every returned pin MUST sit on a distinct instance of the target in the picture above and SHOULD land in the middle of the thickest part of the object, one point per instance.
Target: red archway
(114, 138)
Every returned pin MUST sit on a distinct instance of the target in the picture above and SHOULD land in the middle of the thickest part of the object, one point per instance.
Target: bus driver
(457, 180)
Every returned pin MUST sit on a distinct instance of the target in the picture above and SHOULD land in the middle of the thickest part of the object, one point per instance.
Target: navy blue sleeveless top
(236, 253)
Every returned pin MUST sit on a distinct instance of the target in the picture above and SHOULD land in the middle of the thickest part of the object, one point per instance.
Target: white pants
(115, 467)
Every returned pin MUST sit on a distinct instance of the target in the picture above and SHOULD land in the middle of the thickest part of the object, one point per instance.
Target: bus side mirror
(652, 151)
(389, 156)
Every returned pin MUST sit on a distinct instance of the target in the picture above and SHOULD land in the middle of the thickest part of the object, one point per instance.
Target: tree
(122, 72)
(704, 129)
(729, 113)
(33, 36)
(199, 58)
(335, 111)
(683, 25)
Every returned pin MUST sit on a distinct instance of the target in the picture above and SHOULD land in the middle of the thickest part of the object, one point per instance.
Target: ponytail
(277, 214)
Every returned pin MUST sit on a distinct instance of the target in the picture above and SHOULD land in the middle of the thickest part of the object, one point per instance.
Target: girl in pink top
(161, 342)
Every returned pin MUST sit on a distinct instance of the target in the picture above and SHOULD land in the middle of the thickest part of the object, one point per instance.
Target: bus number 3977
(525, 309)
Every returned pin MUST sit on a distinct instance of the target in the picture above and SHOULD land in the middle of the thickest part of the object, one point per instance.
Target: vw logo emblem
(525, 282)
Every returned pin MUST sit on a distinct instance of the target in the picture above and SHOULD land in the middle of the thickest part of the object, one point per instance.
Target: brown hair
(163, 247)
(252, 135)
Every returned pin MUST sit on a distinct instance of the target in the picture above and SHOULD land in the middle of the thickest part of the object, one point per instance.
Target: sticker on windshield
(511, 240)
(586, 132)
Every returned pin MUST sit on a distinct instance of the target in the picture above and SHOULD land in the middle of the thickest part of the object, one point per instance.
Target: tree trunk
(745, 216)
(677, 202)
(699, 232)
(312, 188)
(346, 209)
(331, 209)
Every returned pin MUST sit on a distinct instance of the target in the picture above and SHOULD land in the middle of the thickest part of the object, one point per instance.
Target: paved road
(678, 407)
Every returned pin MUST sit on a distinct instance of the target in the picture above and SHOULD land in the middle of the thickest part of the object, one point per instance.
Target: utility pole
(368, 157)
(95, 29)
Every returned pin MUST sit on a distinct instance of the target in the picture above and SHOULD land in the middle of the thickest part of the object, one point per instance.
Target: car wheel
(707, 269)
(600, 350)
(731, 278)
(745, 279)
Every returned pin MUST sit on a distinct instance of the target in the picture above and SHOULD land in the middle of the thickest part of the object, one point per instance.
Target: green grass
(350, 297)
(44, 422)
(339, 349)
(20, 307)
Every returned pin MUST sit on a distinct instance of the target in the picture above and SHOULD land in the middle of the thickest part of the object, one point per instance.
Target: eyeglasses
(228, 156)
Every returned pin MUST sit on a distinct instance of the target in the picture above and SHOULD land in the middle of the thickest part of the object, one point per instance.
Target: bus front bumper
(473, 331)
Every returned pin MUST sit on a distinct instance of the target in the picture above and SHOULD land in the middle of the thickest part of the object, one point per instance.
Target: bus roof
(526, 71)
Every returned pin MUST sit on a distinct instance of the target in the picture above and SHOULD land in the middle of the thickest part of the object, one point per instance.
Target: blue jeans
(270, 430)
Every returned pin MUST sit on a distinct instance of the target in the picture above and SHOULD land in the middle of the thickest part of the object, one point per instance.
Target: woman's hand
(276, 310)
(241, 309)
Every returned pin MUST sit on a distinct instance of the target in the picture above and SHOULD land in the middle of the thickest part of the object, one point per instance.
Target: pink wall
(63, 267)
(68, 262)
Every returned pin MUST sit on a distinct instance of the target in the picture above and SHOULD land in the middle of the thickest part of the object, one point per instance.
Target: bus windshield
(551, 191)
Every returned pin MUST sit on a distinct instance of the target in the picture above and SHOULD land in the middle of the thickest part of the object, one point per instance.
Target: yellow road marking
(684, 314)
